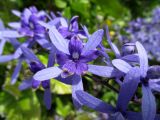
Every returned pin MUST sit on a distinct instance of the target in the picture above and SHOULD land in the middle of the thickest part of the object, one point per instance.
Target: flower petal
(25, 84)
(16, 71)
(81, 68)
(1, 25)
(10, 34)
(69, 66)
(63, 22)
(133, 115)
(148, 104)
(93, 41)
(17, 13)
(113, 46)
(128, 88)
(46, 25)
(29, 54)
(75, 46)
(153, 72)
(131, 58)
(154, 84)
(2, 44)
(76, 85)
(15, 25)
(121, 65)
(51, 57)
(67, 80)
(44, 43)
(47, 73)
(61, 58)
(89, 56)
(6, 58)
(142, 58)
(47, 98)
(60, 43)
(94, 103)
(104, 71)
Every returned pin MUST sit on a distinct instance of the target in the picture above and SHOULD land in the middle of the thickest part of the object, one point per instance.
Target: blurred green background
(28, 104)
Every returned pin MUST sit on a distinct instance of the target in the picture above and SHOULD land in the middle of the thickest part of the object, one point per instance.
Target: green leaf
(60, 3)
(60, 88)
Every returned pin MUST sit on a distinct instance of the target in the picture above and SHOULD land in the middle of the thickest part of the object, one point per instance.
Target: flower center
(75, 55)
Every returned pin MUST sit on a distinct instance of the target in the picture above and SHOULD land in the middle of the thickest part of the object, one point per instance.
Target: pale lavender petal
(93, 41)
(104, 71)
(11, 34)
(54, 22)
(51, 57)
(44, 43)
(47, 73)
(128, 88)
(6, 58)
(14, 42)
(25, 84)
(121, 65)
(1, 25)
(94, 103)
(17, 13)
(113, 46)
(41, 13)
(63, 22)
(131, 58)
(29, 54)
(76, 85)
(2, 44)
(46, 25)
(18, 52)
(142, 58)
(60, 43)
(16, 72)
(148, 104)
(86, 31)
(47, 98)
(27, 13)
(15, 25)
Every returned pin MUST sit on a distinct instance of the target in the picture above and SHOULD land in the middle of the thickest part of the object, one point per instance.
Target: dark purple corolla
(35, 65)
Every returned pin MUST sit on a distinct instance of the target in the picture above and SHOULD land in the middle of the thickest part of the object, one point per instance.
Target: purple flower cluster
(71, 51)
(147, 31)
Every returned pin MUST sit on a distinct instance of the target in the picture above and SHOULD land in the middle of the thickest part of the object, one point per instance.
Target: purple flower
(35, 65)
(114, 113)
(28, 26)
(146, 30)
(73, 57)
(143, 74)
(72, 29)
